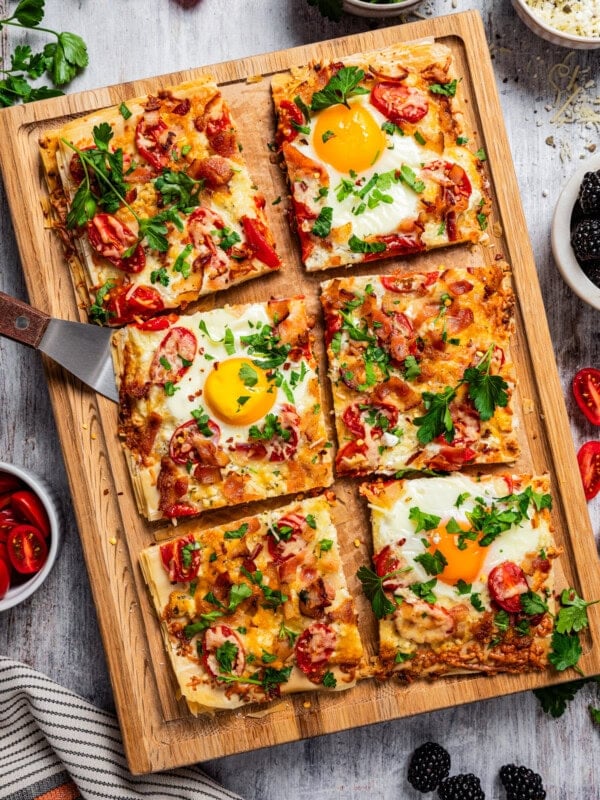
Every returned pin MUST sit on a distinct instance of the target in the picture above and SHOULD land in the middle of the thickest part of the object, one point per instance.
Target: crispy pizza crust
(183, 130)
(449, 204)
(230, 463)
(453, 631)
(393, 339)
(316, 617)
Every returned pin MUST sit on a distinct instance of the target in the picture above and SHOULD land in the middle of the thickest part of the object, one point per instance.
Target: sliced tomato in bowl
(4, 578)
(586, 390)
(30, 508)
(27, 549)
(588, 459)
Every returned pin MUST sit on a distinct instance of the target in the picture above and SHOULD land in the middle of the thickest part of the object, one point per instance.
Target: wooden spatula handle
(21, 322)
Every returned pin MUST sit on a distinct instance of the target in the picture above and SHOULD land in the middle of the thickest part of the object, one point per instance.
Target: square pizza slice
(256, 609)
(463, 577)
(221, 408)
(420, 369)
(155, 202)
(377, 155)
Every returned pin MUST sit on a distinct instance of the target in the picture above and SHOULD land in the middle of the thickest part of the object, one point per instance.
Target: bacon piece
(215, 171)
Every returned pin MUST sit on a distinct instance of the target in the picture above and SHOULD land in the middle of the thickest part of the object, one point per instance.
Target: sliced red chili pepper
(259, 239)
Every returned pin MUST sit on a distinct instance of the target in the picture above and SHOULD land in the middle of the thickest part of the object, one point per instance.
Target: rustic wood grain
(325, 766)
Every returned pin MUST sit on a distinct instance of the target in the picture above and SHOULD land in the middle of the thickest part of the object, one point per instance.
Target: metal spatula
(82, 349)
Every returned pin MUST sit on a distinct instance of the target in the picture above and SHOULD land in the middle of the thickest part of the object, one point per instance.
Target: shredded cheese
(576, 17)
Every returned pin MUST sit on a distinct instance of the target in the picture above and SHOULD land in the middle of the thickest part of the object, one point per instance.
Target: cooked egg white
(438, 497)
(351, 144)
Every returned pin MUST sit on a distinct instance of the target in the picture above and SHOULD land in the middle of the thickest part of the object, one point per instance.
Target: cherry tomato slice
(27, 505)
(289, 540)
(259, 240)
(216, 637)
(181, 558)
(403, 284)
(506, 584)
(290, 117)
(399, 102)
(315, 647)
(588, 459)
(127, 302)
(174, 356)
(27, 549)
(4, 578)
(187, 441)
(586, 389)
(111, 239)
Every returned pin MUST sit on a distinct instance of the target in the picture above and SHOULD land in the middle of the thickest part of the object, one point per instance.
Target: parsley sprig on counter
(61, 60)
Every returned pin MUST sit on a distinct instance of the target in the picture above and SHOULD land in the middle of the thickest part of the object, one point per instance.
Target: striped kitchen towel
(56, 746)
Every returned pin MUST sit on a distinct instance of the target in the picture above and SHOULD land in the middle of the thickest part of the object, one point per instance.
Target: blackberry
(592, 270)
(585, 240)
(429, 765)
(589, 193)
(461, 787)
(521, 783)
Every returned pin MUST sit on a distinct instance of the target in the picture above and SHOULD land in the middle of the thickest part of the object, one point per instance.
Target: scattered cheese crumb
(112, 540)
(93, 436)
(84, 426)
(357, 543)
(306, 704)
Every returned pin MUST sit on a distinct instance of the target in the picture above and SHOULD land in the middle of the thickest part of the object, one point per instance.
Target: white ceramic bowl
(553, 35)
(360, 8)
(563, 253)
(17, 594)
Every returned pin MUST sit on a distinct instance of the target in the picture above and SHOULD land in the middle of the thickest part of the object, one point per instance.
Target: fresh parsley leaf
(287, 633)
(502, 621)
(462, 587)
(178, 189)
(487, 392)
(447, 89)
(332, 9)
(248, 375)
(357, 245)
(265, 343)
(476, 602)
(271, 428)
(340, 87)
(229, 342)
(423, 521)
(205, 621)
(238, 593)
(573, 613)
(412, 368)
(181, 263)
(329, 681)
(408, 177)
(438, 419)
(226, 655)
(424, 590)
(124, 111)
(554, 699)
(322, 224)
(565, 651)
(373, 588)
(532, 604)
(227, 238)
(400, 658)
(432, 563)
(97, 312)
(237, 533)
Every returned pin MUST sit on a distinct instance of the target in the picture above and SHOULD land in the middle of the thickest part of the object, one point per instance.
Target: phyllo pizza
(420, 369)
(220, 408)
(256, 609)
(463, 573)
(377, 155)
(156, 200)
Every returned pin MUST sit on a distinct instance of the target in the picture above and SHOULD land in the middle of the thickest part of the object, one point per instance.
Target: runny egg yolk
(239, 392)
(348, 138)
(464, 564)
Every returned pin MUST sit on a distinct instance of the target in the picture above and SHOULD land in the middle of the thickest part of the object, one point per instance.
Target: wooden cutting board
(157, 730)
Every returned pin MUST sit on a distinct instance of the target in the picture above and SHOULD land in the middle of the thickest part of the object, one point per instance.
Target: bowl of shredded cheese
(569, 23)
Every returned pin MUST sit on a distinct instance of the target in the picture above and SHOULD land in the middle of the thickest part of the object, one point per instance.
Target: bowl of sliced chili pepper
(30, 533)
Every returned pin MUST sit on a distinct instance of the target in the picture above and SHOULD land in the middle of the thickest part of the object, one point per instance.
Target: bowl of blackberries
(576, 233)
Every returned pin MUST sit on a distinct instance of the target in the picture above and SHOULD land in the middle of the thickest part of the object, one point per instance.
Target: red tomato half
(4, 578)
(111, 239)
(588, 459)
(259, 240)
(181, 558)
(315, 647)
(28, 506)
(586, 388)
(174, 356)
(27, 549)
(399, 102)
(506, 584)
(402, 283)
(127, 302)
